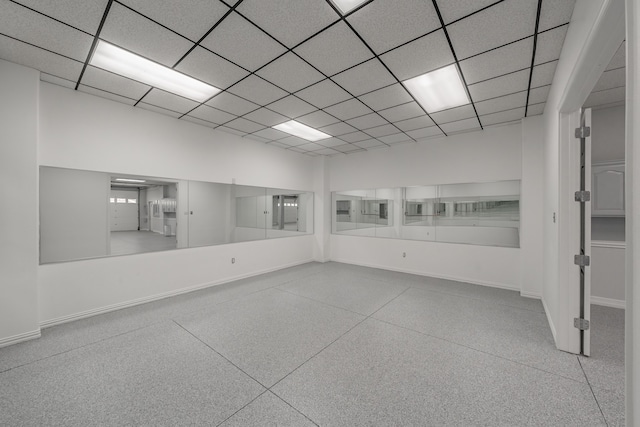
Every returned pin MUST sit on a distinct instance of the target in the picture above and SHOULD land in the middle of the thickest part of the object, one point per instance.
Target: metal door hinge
(583, 132)
(582, 260)
(582, 196)
(582, 324)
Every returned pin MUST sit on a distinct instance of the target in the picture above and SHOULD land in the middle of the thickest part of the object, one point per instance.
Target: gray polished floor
(318, 344)
(134, 242)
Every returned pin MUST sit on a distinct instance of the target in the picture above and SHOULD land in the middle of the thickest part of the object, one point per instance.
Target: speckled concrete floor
(318, 344)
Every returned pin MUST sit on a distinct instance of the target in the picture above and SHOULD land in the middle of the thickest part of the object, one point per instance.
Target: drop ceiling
(277, 60)
(609, 91)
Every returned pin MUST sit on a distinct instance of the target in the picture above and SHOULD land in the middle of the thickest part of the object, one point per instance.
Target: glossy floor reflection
(318, 344)
(135, 242)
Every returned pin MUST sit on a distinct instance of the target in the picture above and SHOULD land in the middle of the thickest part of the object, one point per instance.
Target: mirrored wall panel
(86, 214)
(485, 213)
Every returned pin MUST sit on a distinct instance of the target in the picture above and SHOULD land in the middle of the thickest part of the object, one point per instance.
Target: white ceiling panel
(199, 121)
(466, 125)
(402, 112)
(380, 131)
(420, 56)
(272, 134)
(242, 43)
(328, 152)
(430, 132)
(554, 13)
(290, 73)
(312, 146)
(210, 68)
(159, 110)
(82, 14)
(370, 143)
(539, 94)
(605, 97)
(338, 129)
(272, 143)
(294, 21)
(619, 59)
(396, 138)
(376, 77)
(230, 103)
(368, 121)
(244, 125)
(543, 74)
(535, 110)
(507, 59)
(169, 101)
(293, 141)
(502, 117)
(211, 114)
(330, 142)
(257, 90)
(389, 96)
(230, 130)
(503, 23)
(502, 103)
(385, 24)
(550, 44)
(415, 123)
(323, 94)
(104, 80)
(140, 35)
(348, 109)
(454, 10)
(511, 83)
(192, 22)
(611, 79)
(292, 107)
(34, 57)
(266, 117)
(454, 114)
(317, 119)
(57, 80)
(355, 137)
(31, 27)
(334, 50)
(107, 95)
(347, 148)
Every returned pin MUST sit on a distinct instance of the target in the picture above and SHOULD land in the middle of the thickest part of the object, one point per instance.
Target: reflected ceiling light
(301, 131)
(347, 6)
(438, 90)
(130, 180)
(127, 64)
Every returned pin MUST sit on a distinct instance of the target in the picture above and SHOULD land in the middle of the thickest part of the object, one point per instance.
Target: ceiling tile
(335, 49)
(323, 94)
(415, 123)
(57, 80)
(454, 114)
(293, 141)
(211, 114)
(368, 121)
(242, 43)
(353, 79)
(82, 14)
(389, 96)
(210, 68)
(611, 79)
(312, 146)
(159, 110)
(423, 133)
(230, 103)
(192, 22)
(107, 95)
(297, 149)
(259, 139)
(402, 112)
(453, 10)
(338, 129)
(347, 148)
(502, 103)
(290, 73)
(327, 152)
(420, 56)
(619, 59)
(294, 21)
(355, 137)
(348, 109)
(554, 13)
(511, 83)
(40, 59)
(169, 101)
(31, 27)
(272, 134)
(330, 142)
(543, 74)
(113, 83)
(461, 126)
(539, 94)
(257, 90)
(549, 44)
(370, 143)
(199, 121)
(402, 21)
(244, 125)
(493, 27)
(317, 119)
(292, 107)
(502, 117)
(396, 138)
(266, 117)
(507, 59)
(535, 110)
(272, 143)
(383, 130)
(231, 131)
(140, 35)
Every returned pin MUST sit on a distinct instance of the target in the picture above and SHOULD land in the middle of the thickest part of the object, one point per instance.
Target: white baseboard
(144, 300)
(4, 342)
(608, 302)
(551, 324)
(530, 295)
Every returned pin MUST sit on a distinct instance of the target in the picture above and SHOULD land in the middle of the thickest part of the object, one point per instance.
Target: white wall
(19, 190)
(607, 273)
(607, 134)
(490, 155)
(107, 136)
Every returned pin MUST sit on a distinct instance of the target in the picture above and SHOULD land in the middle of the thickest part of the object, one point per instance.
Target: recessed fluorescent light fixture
(127, 64)
(130, 180)
(347, 6)
(301, 131)
(438, 90)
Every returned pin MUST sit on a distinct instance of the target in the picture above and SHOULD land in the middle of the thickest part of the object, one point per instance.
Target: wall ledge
(4, 342)
(613, 244)
(608, 302)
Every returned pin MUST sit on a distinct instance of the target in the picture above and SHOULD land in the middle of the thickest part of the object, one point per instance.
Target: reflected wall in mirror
(86, 214)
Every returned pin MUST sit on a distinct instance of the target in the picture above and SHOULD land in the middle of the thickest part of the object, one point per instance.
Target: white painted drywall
(19, 88)
(607, 134)
(607, 273)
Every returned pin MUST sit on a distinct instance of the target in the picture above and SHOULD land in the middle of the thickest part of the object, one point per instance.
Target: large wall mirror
(485, 213)
(86, 214)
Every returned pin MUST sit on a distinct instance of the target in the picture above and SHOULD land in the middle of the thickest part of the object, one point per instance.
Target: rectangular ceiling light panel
(438, 90)
(130, 180)
(127, 64)
(301, 131)
(347, 6)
